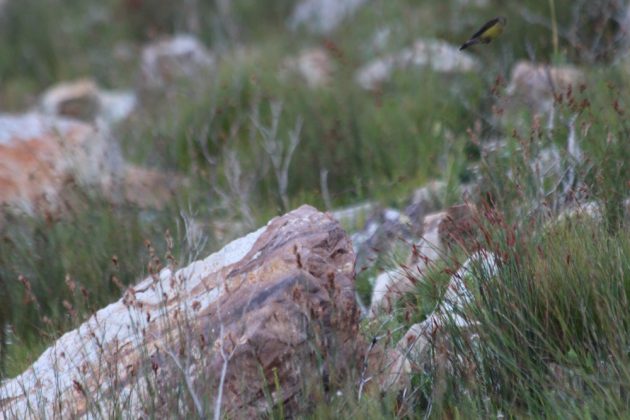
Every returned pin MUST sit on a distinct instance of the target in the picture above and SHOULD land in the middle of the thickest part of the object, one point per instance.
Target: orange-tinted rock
(43, 158)
(39, 156)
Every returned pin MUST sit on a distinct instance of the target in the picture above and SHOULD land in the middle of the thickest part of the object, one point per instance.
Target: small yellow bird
(492, 29)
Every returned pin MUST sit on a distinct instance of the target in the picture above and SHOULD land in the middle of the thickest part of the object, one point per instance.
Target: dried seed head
(68, 306)
(196, 305)
(117, 282)
(70, 283)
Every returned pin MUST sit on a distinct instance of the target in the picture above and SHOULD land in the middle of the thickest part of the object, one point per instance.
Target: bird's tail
(468, 43)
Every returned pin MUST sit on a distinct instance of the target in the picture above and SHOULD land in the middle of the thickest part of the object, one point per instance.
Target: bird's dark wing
(489, 24)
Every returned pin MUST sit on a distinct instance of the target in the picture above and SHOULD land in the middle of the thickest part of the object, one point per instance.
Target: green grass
(369, 143)
(58, 271)
(551, 329)
(558, 300)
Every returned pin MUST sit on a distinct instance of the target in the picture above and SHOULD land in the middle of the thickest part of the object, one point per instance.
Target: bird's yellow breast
(492, 32)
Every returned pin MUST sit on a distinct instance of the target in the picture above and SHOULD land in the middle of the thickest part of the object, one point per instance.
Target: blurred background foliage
(49, 40)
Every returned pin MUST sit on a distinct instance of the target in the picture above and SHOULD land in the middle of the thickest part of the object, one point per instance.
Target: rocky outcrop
(83, 100)
(41, 155)
(434, 54)
(170, 60)
(269, 316)
(382, 230)
(323, 16)
(43, 158)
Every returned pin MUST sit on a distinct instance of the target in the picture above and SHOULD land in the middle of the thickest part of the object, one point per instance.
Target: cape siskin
(489, 31)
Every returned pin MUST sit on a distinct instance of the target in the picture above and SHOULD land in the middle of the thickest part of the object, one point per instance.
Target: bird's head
(502, 20)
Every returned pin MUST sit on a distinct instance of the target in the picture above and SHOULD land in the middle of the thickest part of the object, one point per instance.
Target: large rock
(274, 311)
(391, 285)
(434, 54)
(323, 16)
(44, 158)
(82, 99)
(116, 105)
(169, 60)
(41, 155)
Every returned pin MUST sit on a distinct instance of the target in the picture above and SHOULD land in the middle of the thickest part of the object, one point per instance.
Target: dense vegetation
(553, 328)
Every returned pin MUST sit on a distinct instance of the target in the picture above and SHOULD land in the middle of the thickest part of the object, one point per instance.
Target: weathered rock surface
(435, 54)
(424, 201)
(323, 16)
(169, 60)
(534, 86)
(413, 352)
(452, 309)
(276, 308)
(82, 99)
(383, 228)
(440, 230)
(590, 210)
(42, 158)
(116, 105)
(41, 155)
